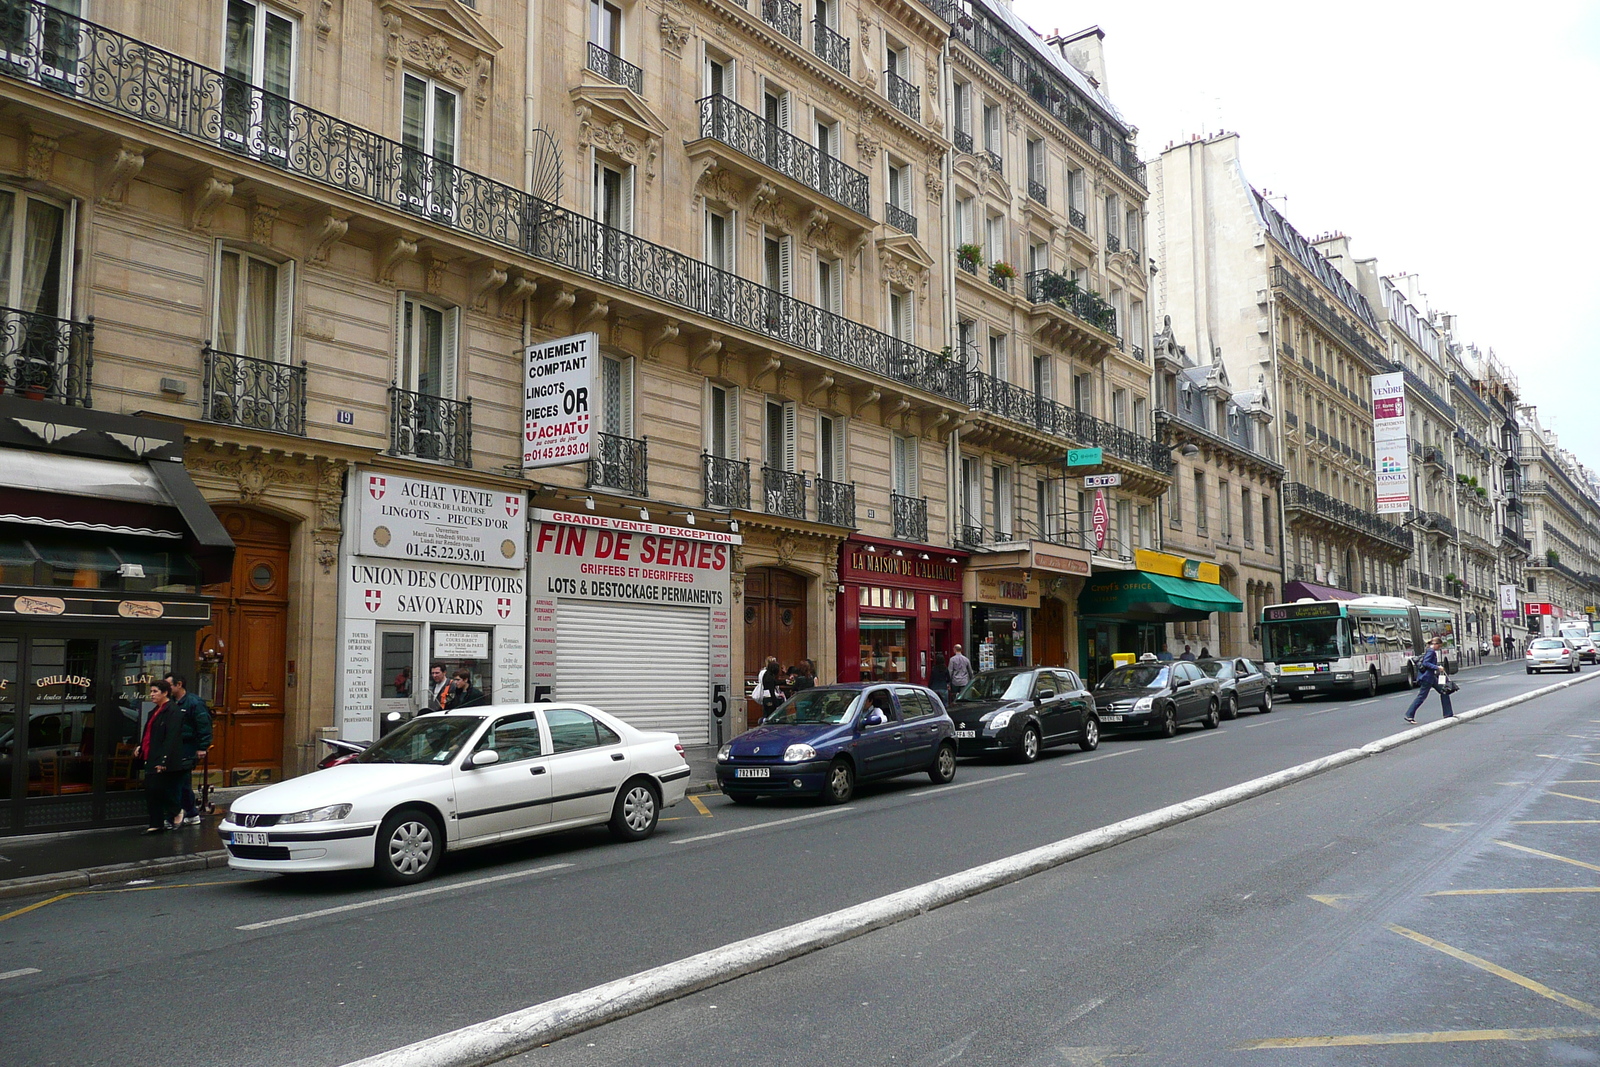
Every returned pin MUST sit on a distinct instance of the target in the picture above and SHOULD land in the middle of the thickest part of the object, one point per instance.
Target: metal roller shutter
(649, 666)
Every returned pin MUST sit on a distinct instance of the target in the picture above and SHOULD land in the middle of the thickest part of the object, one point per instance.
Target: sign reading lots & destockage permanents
(558, 391)
(420, 520)
(1389, 443)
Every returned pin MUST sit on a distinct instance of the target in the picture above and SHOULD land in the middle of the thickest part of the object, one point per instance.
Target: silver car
(1551, 654)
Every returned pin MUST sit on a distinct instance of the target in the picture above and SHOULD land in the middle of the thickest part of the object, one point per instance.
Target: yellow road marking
(1333, 900)
(1497, 970)
(1494, 892)
(100, 892)
(1548, 1033)
(1451, 826)
(1549, 855)
(699, 805)
(1572, 796)
(35, 906)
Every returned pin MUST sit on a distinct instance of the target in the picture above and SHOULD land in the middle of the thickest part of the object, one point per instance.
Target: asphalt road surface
(1179, 948)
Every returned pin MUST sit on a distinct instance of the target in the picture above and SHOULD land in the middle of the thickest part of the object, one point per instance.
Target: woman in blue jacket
(1428, 678)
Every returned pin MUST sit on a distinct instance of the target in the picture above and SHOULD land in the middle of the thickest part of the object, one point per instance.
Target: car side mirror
(486, 758)
(874, 718)
(1045, 694)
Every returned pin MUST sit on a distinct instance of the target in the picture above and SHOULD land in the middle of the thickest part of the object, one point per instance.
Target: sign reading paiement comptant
(439, 522)
(596, 558)
(559, 387)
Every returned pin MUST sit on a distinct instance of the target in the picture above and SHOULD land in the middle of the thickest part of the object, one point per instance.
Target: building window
(904, 475)
(1147, 531)
(971, 495)
(1076, 197)
(776, 262)
(1086, 520)
(900, 321)
(1119, 408)
(1200, 516)
(775, 108)
(429, 131)
(1003, 489)
(1247, 518)
(722, 421)
(966, 221)
(1124, 528)
(613, 196)
(993, 138)
(719, 251)
(35, 254)
(258, 68)
(428, 345)
(1041, 377)
(717, 76)
(827, 138)
(1131, 227)
(1083, 393)
(616, 396)
(780, 435)
(829, 274)
(1037, 172)
(1141, 415)
(998, 364)
(605, 26)
(253, 305)
(962, 92)
(1175, 502)
(1047, 501)
(1113, 224)
(1225, 505)
(994, 238)
(832, 462)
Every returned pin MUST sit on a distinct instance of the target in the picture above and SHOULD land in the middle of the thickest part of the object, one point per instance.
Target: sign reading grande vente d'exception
(558, 391)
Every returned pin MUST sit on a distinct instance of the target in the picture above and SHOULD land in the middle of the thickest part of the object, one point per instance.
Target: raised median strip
(519, 1031)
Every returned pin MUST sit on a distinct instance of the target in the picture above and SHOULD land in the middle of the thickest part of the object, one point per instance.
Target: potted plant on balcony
(1482, 492)
(1001, 273)
(1552, 557)
(970, 257)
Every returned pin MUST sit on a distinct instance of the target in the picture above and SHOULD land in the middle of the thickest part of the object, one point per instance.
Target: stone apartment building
(1562, 514)
(1479, 468)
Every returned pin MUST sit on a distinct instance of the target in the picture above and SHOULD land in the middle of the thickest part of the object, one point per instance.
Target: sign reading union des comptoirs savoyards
(421, 520)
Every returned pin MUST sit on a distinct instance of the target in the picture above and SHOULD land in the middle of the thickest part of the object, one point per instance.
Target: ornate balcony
(996, 162)
(969, 534)
(46, 358)
(1037, 191)
(1079, 220)
(727, 482)
(1076, 319)
(1333, 321)
(967, 263)
(257, 394)
(910, 517)
(783, 492)
(962, 140)
(783, 16)
(903, 95)
(1297, 496)
(620, 463)
(1000, 279)
(900, 219)
(1113, 243)
(614, 68)
(830, 47)
(430, 427)
(769, 144)
(836, 503)
(1020, 405)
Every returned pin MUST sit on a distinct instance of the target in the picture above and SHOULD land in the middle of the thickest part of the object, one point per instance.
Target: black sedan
(1019, 711)
(1157, 696)
(1242, 682)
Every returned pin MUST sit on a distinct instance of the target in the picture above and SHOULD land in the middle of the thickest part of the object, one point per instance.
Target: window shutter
(783, 110)
(735, 424)
(904, 327)
(625, 398)
(913, 482)
(283, 343)
(786, 265)
(966, 108)
(791, 436)
(730, 226)
(402, 358)
(625, 212)
(449, 347)
(1047, 385)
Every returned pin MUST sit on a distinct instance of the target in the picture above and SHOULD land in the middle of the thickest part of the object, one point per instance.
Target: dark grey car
(1241, 683)
(1156, 696)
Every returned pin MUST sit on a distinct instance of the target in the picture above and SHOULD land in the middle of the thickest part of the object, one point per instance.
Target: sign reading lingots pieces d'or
(558, 389)
(421, 520)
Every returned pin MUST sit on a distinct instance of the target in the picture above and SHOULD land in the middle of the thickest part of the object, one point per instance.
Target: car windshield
(1549, 642)
(1216, 668)
(1135, 676)
(428, 739)
(998, 685)
(1577, 637)
(821, 706)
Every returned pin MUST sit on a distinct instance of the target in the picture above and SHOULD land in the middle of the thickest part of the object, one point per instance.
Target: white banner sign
(629, 566)
(440, 522)
(461, 644)
(1391, 448)
(1509, 608)
(1101, 481)
(424, 593)
(559, 386)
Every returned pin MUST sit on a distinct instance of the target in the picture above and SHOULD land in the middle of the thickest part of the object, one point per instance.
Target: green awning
(1146, 597)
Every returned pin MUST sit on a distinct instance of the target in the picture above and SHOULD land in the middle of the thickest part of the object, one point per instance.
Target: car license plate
(1306, 688)
(245, 837)
(753, 772)
(966, 733)
(1111, 718)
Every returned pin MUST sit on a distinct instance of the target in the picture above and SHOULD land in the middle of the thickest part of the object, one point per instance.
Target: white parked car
(1551, 654)
(457, 780)
(1584, 643)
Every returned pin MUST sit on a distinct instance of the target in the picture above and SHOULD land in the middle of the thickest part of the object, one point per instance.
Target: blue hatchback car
(822, 741)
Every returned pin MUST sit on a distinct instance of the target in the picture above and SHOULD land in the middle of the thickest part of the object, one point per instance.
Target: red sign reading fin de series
(597, 558)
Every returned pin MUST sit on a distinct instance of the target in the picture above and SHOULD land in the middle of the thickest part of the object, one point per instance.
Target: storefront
(433, 573)
(1014, 615)
(633, 617)
(1125, 613)
(104, 546)
(899, 606)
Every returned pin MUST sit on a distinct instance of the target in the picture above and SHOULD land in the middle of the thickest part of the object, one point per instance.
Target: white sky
(1456, 141)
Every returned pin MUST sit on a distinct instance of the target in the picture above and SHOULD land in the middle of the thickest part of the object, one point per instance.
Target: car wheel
(634, 815)
(409, 847)
(1230, 710)
(1266, 700)
(1091, 734)
(1212, 719)
(1372, 684)
(1028, 747)
(1169, 724)
(943, 770)
(841, 784)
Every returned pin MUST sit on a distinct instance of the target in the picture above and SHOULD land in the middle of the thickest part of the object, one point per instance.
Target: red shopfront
(900, 604)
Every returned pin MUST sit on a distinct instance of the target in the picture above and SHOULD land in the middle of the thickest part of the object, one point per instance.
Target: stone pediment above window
(613, 120)
(441, 38)
(905, 263)
(981, 173)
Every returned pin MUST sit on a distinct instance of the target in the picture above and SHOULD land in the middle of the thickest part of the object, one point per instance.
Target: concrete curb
(516, 1032)
(111, 874)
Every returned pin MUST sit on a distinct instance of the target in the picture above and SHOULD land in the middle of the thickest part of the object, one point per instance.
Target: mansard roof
(1313, 261)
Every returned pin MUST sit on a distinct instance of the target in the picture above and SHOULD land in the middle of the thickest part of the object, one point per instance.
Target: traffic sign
(1101, 481)
(1085, 457)
(1101, 519)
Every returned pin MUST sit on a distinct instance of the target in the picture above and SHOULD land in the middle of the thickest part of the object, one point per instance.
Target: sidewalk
(53, 863)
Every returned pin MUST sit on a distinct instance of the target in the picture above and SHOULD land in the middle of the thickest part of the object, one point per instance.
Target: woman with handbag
(1429, 671)
(161, 748)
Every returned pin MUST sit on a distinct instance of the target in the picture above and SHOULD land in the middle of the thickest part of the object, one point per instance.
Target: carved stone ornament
(766, 206)
(902, 272)
(613, 138)
(934, 180)
(208, 194)
(330, 493)
(432, 54)
(867, 147)
(41, 162)
(1013, 118)
(121, 165)
(262, 219)
(674, 23)
(717, 185)
(327, 232)
(786, 547)
(324, 17)
(397, 250)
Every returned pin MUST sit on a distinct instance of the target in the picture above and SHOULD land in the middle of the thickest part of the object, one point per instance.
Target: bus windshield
(1303, 640)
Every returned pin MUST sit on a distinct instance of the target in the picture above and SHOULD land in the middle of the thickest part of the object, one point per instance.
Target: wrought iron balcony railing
(783, 16)
(783, 492)
(614, 68)
(1320, 310)
(967, 263)
(430, 427)
(1009, 401)
(962, 140)
(130, 78)
(969, 534)
(727, 482)
(910, 517)
(1138, 353)
(1079, 220)
(620, 463)
(1051, 287)
(46, 358)
(832, 48)
(1113, 243)
(836, 503)
(1303, 497)
(903, 95)
(766, 142)
(1000, 279)
(258, 394)
(1037, 191)
(996, 162)
(900, 219)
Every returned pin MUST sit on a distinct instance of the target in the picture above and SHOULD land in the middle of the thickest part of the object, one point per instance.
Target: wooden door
(1050, 633)
(774, 620)
(251, 620)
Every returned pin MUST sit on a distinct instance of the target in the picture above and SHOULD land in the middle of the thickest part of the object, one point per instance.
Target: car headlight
(725, 753)
(799, 753)
(330, 813)
(998, 720)
(1143, 703)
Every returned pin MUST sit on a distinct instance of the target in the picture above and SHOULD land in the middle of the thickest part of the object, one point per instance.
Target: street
(1311, 916)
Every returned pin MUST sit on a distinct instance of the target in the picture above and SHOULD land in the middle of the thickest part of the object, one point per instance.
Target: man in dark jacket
(196, 735)
(463, 694)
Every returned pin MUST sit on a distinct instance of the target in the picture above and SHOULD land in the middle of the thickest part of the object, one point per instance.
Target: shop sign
(1101, 520)
(427, 593)
(461, 644)
(1508, 600)
(1002, 587)
(1152, 562)
(559, 385)
(1101, 481)
(860, 564)
(140, 609)
(439, 522)
(39, 605)
(91, 607)
(1540, 609)
(1085, 457)
(630, 566)
(1055, 561)
(1390, 443)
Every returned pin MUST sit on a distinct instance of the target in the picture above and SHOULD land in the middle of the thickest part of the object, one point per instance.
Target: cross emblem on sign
(513, 505)
(377, 487)
(503, 604)
(374, 599)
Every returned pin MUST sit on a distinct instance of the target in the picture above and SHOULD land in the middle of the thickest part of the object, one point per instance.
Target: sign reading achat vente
(558, 388)
(424, 521)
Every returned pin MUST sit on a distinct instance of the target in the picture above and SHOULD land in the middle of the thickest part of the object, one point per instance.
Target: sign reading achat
(559, 383)
(420, 520)
(594, 558)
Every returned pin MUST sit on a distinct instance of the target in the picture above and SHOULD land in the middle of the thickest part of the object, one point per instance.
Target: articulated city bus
(1351, 646)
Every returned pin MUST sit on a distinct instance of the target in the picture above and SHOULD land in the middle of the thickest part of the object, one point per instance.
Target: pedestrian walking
(463, 694)
(161, 749)
(771, 686)
(1188, 653)
(1205, 653)
(196, 720)
(960, 672)
(939, 677)
(1428, 679)
(438, 687)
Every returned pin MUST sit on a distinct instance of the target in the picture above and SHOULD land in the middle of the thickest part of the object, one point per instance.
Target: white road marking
(1092, 759)
(1363, 703)
(1263, 722)
(393, 897)
(761, 825)
(1324, 711)
(1191, 737)
(938, 789)
(19, 973)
